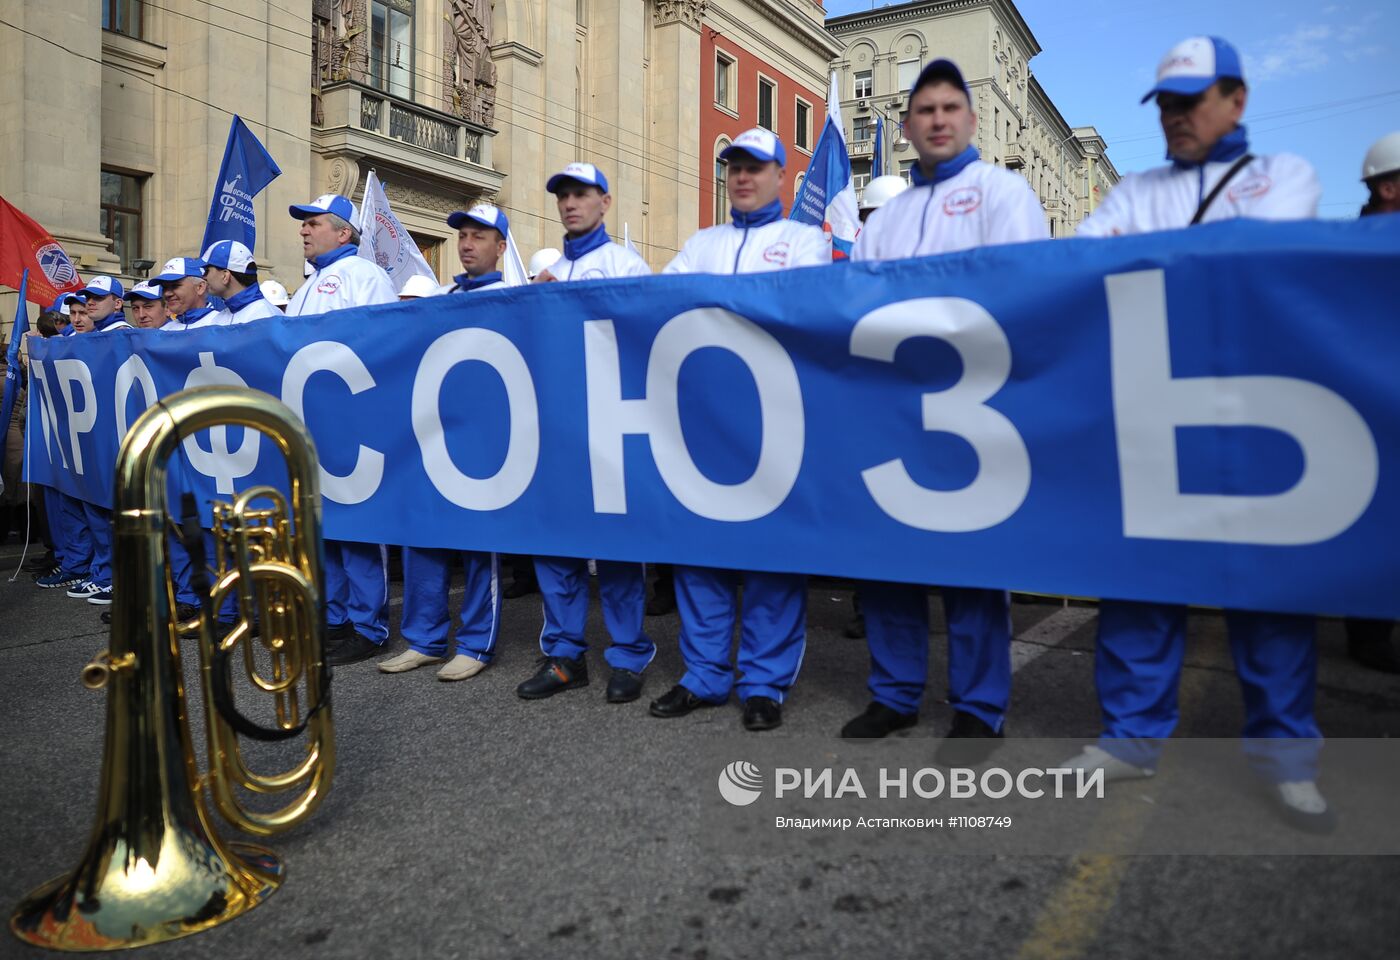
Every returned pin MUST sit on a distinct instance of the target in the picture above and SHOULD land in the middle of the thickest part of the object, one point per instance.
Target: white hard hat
(543, 260)
(1383, 157)
(878, 191)
(419, 286)
(274, 292)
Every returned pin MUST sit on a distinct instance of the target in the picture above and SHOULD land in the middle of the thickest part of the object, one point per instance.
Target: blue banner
(1209, 415)
(246, 169)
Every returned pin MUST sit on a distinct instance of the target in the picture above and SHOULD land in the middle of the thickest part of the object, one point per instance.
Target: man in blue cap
(357, 575)
(67, 523)
(106, 309)
(773, 634)
(427, 571)
(232, 275)
(186, 294)
(957, 202)
(581, 192)
(147, 306)
(1200, 95)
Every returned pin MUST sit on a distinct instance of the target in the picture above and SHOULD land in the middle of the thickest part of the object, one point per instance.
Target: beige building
(1019, 126)
(117, 112)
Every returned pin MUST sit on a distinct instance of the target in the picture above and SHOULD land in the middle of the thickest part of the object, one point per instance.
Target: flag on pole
(17, 332)
(513, 270)
(828, 197)
(27, 249)
(246, 170)
(386, 241)
(877, 159)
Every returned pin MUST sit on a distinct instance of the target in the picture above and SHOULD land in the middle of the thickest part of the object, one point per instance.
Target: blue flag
(877, 161)
(827, 198)
(246, 169)
(17, 333)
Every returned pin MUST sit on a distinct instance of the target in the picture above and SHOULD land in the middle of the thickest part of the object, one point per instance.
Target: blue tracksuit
(99, 525)
(979, 647)
(622, 589)
(78, 537)
(1141, 651)
(427, 574)
(773, 634)
(357, 588)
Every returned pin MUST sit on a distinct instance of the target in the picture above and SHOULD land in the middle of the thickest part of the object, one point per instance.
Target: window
(121, 216)
(391, 47)
(860, 175)
(122, 16)
(908, 73)
(904, 167)
(996, 123)
(865, 84)
(721, 185)
(431, 249)
(862, 128)
(724, 81)
(767, 94)
(797, 186)
(802, 136)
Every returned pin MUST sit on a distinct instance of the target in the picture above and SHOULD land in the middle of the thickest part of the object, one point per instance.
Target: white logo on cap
(582, 171)
(1190, 58)
(761, 139)
(484, 211)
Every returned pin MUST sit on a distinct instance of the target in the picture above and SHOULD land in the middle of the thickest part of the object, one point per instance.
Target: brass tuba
(154, 870)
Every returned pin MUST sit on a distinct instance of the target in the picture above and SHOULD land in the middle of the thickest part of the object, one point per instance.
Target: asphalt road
(467, 823)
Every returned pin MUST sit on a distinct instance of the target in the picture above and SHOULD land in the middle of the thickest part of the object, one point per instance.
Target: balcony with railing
(362, 122)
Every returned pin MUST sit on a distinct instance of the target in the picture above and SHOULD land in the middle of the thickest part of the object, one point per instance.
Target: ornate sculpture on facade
(339, 48)
(689, 12)
(469, 74)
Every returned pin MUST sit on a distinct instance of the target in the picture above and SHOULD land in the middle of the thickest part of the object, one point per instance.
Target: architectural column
(674, 144)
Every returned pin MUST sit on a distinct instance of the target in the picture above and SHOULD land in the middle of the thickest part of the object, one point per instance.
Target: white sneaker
(1303, 806)
(461, 667)
(410, 659)
(83, 590)
(1094, 757)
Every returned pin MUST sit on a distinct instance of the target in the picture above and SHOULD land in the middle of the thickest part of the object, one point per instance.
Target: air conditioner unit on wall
(862, 104)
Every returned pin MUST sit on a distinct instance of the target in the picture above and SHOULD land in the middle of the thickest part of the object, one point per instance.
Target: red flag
(24, 245)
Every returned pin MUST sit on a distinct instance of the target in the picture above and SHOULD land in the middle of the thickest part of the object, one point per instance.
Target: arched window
(721, 183)
(797, 185)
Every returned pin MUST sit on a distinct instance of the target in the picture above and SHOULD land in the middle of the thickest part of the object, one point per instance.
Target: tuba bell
(154, 869)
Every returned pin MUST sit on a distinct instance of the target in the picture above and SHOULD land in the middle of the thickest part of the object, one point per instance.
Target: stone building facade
(1019, 126)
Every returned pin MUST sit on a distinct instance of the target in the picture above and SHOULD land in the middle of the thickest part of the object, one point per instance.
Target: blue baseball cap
(326, 203)
(146, 290)
(763, 145)
(941, 71)
(105, 286)
(61, 304)
(178, 268)
(1194, 65)
(584, 173)
(230, 255)
(483, 214)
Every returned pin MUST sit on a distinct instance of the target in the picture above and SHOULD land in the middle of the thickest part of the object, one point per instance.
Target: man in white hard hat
(357, 576)
(275, 293)
(581, 194)
(543, 259)
(878, 191)
(418, 286)
(232, 274)
(773, 635)
(1200, 96)
(958, 202)
(482, 234)
(1380, 171)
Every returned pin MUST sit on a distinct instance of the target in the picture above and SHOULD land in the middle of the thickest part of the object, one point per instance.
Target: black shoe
(1369, 643)
(677, 702)
(624, 687)
(521, 588)
(877, 721)
(554, 675)
(338, 634)
(186, 611)
(970, 741)
(661, 603)
(354, 650)
(762, 713)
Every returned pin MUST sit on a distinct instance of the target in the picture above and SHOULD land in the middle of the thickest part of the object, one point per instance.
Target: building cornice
(921, 10)
(783, 14)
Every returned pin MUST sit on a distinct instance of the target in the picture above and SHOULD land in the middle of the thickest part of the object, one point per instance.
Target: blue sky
(1322, 75)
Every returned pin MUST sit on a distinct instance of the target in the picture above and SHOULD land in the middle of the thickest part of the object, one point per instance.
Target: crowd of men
(1200, 94)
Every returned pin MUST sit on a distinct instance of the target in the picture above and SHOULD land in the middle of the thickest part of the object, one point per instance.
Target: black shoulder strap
(1240, 164)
